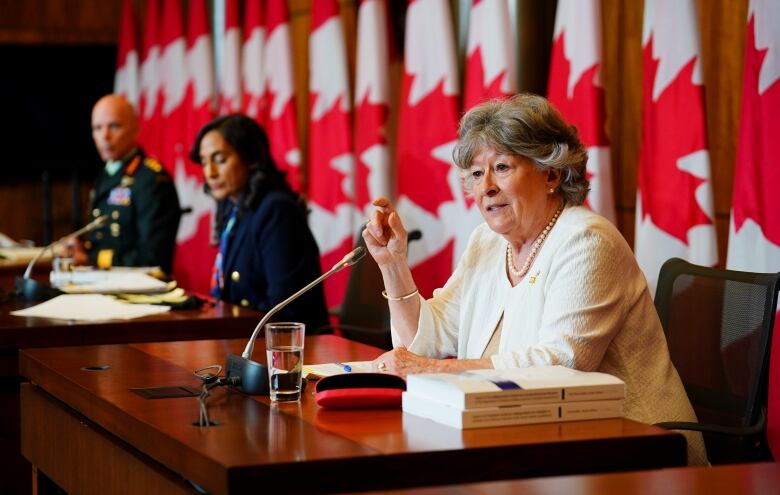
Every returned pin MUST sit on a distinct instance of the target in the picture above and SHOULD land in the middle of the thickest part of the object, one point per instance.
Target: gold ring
(381, 366)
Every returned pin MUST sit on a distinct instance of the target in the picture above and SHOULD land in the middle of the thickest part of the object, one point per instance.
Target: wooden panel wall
(722, 27)
(59, 21)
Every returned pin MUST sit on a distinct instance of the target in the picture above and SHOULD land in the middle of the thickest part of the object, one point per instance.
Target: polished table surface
(744, 479)
(211, 321)
(298, 444)
(218, 320)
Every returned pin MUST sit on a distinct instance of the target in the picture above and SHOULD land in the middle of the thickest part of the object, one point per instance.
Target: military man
(134, 191)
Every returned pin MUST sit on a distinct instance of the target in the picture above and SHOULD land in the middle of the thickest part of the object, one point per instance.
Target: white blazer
(583, 304)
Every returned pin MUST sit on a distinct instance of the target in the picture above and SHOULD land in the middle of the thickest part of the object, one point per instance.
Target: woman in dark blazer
(267, 251)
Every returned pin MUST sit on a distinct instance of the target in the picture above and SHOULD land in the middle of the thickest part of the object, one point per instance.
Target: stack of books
(484, 398)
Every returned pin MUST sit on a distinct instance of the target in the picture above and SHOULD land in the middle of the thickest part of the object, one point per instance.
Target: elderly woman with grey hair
(544, 281)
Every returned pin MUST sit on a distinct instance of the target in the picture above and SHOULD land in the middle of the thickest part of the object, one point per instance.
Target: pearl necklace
(534, 248)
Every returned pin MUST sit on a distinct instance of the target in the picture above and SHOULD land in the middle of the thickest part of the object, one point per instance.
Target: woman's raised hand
(384, 234)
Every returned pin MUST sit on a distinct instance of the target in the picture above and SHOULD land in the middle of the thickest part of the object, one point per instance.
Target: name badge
(120, 196)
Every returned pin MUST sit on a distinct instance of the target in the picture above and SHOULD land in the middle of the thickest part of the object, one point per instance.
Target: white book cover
(535, 385)
(522, 414)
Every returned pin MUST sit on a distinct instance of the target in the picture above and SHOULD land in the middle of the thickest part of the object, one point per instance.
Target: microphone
(253, 375)
(32, 290)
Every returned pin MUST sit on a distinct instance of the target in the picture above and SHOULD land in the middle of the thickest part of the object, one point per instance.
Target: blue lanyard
(218, 281)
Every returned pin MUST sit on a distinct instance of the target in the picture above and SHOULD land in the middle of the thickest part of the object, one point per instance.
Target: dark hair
(251, 144)
(526, 125)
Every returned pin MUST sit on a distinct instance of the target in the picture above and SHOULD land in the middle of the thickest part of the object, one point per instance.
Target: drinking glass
(284, 349)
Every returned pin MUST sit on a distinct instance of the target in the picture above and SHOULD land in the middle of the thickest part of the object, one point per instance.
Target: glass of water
(284, 349)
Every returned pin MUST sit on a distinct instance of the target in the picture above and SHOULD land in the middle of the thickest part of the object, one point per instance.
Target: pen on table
(345, 367)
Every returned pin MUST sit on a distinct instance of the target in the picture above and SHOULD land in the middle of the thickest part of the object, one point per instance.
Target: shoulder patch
(153, 165)
(133, 166)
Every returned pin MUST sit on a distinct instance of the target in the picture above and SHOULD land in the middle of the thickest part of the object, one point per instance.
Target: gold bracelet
(402, 298)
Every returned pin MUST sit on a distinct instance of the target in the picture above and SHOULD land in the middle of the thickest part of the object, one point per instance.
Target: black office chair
(364, 315)
(718, 325)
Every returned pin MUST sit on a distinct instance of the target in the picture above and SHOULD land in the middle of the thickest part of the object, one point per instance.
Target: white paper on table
(90, 307)
(107, 282)
(330, 369)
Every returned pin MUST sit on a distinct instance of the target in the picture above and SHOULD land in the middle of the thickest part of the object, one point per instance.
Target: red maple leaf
(672, 128)
(474, 89)
(586, 108)
(335, 286)
(283, 136)
(430, 123)
(370, 128)
(195, 258)
(329, 139)
(758, 166)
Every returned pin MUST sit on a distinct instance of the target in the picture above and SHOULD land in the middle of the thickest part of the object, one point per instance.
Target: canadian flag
(173, 81)
(490, 55)
(754, 236)
(199, 97)
(674, 201)
(149, 108)
(279, 119)
(431, 198)
(372, 106)
(489, 73)
(252, 65)
(331, 161)
(194, 253)
(230, 73)
(126, 79)
(575, 89)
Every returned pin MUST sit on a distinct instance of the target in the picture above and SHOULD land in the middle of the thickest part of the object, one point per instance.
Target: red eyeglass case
(359, 390)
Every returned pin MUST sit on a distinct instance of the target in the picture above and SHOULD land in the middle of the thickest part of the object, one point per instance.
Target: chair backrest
(364, 315)
(718, 325)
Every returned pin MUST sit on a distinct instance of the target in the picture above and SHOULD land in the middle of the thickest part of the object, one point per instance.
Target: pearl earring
(552, 190)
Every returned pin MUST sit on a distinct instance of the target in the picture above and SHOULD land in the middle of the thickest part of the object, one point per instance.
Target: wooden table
(743, 479)
(209, 322)
(89, 433)
(218, 320)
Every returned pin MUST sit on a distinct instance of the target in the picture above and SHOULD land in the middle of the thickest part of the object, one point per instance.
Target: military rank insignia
(120, 196)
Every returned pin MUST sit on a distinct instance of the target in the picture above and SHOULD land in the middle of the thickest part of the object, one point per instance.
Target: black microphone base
(29, 289)
(254, 376)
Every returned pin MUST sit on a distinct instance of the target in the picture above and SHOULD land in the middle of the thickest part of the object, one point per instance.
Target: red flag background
(252, 63)
(372, 106)
(490, 54)
(194, 252)
(230, 91)
(127, 78)
(575, 88)
(331, 159)
(674, 204)
(148, 104)
(417, 120)
(429, 194)
(754, 242)
(279, 91)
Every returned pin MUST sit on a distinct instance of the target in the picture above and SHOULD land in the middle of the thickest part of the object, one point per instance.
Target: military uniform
(143, 215)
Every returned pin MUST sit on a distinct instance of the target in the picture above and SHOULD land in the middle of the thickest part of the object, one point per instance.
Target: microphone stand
(30, 289)
(253, 376)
